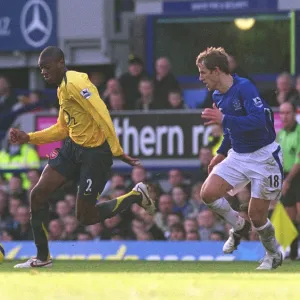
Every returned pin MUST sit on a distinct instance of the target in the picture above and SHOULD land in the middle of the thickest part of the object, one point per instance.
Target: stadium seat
(194, 98)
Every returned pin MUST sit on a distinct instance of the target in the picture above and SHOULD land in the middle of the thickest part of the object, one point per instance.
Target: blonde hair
(214, 58)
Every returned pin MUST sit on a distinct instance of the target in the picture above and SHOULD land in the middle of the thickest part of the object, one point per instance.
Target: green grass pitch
(114, 280)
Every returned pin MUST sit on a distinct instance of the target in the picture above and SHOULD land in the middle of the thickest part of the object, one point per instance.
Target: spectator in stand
(13, 204)
(112, 86)
(175, 177)
(56, 230)
(144, 236)
(23, 231)
(33, 98)
(175, 100)
(181, 202)
(217, 236)
(84, 236)
(62, 209)
(138, 174)
(4, 215)
(98, 79)
(115, 225)
(19, 157)
(71, 200)
(95, 231)
(235, 68)
(130, 81)
(116, 102)
(196, 200)
(190, 224)
(297, 98)
(15, 188)
(177, 232)
(205, 157)
(7, 99)
(33, 177)
(208, 223)
(193, 236)
(174, 218)
(151, 227)
(164, 82)
(146, 101)
(7, 235)
(71, 227)
(285, 91)
(165, 207)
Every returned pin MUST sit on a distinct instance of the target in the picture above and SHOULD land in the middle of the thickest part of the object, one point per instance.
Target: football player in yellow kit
(86, 156)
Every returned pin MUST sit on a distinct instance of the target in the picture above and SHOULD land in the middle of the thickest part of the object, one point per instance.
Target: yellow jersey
(83, 116)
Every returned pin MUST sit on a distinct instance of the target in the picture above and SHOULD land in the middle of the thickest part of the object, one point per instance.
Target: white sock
(222, 208)
(267, 237)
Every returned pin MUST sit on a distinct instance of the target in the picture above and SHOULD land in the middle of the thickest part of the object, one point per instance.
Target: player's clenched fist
(17, 136)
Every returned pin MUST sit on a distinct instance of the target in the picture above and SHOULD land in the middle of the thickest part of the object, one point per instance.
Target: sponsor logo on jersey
(237, 104)
(85, 93)
(257, 102)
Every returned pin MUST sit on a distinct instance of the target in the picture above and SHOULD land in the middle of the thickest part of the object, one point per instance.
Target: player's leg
(266, 175)
(50, 181)
(96, 166)
(290, 203)
(212, 194)
(258, 214)
(88, 213)
(223, 178)
(59, 170)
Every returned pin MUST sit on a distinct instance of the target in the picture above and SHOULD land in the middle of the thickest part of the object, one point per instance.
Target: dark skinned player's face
(51, 69)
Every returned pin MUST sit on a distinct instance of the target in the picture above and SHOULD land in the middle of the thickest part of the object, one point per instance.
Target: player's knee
(84, 218)
(207, 194)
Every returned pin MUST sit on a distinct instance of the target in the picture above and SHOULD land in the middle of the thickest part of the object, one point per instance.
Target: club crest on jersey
(53, 154)
(236, 104)
(257, 102)
(85, 93)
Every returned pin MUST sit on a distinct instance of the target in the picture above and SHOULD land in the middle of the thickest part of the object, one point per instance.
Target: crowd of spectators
(181, 215)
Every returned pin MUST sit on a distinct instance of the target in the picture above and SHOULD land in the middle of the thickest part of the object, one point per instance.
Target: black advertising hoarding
(165, 137)
(162, 135)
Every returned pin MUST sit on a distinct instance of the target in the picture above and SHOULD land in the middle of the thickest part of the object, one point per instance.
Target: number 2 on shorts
(89, 187)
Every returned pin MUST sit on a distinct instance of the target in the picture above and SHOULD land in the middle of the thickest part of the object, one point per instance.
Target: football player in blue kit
(248, 154)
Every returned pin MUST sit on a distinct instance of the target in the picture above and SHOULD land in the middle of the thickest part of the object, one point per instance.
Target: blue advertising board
(27, 25)
(141, 250)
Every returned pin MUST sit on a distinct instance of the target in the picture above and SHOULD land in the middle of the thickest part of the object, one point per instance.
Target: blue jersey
(248, 121)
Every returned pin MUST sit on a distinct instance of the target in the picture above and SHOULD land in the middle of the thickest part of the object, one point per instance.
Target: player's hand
(216, 160)
(130, 160)
(213, 115)
(285, 187)
(16, 136)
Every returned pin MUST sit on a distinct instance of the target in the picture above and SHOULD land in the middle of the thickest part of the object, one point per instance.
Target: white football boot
(34, 263)
(147, 202)
(235, 238)
(270, 262)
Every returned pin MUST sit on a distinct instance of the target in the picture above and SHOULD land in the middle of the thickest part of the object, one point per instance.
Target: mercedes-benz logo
(44, 27)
